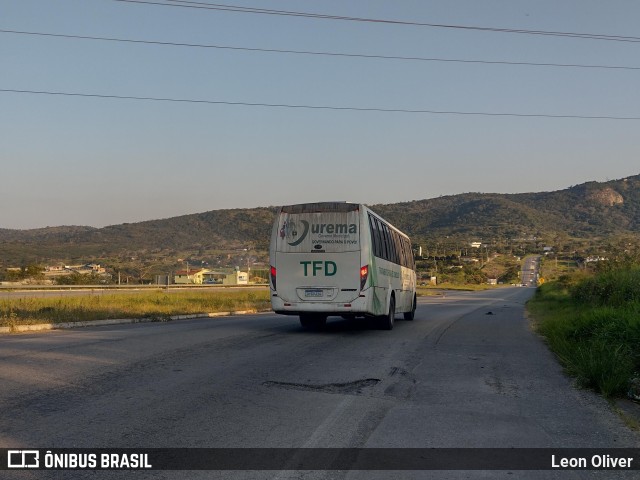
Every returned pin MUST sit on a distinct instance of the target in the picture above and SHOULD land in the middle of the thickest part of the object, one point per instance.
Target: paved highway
(530, 271)
(468, 372)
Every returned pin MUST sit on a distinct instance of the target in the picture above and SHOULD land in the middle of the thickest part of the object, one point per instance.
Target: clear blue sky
(69, 160)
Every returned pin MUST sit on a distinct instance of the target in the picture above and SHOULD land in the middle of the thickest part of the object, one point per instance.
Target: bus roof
(321, 207)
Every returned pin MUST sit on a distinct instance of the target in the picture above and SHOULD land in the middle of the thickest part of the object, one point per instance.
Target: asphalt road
(467, 372)
(530, 271)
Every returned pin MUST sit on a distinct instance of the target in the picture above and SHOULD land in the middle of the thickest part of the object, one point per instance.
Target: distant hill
(587, 211)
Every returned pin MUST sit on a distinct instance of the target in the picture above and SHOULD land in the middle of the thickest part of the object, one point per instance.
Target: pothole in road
(347, 388)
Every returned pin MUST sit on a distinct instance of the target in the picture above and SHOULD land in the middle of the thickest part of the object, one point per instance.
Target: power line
(318, 53)
(264, 11)
(316, 107)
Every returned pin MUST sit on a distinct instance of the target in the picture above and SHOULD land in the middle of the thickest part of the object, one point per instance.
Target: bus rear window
(328, 231)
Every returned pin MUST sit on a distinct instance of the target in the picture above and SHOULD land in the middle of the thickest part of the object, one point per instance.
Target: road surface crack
(346, 388)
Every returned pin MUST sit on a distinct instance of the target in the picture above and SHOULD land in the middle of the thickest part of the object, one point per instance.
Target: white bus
(339, 258)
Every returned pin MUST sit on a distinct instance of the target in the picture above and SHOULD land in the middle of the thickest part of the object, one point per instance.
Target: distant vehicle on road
(339, 258)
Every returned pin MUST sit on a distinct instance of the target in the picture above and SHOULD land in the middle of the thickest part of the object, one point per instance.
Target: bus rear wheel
(311, 321)
(387, 321)
(411, 315)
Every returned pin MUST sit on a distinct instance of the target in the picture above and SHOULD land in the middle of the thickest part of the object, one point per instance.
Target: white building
(236, 278)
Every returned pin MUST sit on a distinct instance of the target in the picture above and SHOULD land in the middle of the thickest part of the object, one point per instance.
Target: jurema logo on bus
(294, 237)
(289, 231)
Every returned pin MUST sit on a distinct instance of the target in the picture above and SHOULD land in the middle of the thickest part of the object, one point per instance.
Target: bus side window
(387, 241)
(401, 250)
(412, 260)
(396, 245)
(375, 236)
(394, 251)
(383, 241)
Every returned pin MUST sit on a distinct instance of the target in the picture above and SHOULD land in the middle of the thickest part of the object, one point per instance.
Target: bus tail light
(273, 276)
(364, 273)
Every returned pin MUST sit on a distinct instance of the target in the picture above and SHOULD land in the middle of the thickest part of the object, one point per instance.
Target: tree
(35, 272)
(81, 279)
(474, 276)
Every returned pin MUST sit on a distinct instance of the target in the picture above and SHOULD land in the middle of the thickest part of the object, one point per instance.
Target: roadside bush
(593, 325)
(615, 288)
(569, 281)
(602, 366)
(510, 275)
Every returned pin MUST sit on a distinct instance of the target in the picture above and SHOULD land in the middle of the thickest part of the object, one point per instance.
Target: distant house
(236, 278)
(213, 278)
(189, 277)
(469, 260)
(200, 276)
(85, 269)
(594, 259)
(54, 268)
(95, 268)
(476, 244)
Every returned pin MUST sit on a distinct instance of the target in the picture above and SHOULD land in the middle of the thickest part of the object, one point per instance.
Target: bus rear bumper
(358, 306)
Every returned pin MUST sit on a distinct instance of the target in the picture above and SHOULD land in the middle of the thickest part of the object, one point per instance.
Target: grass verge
(102, 306)
(595, 335)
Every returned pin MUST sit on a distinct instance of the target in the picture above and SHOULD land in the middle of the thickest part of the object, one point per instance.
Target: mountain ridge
(588, 210)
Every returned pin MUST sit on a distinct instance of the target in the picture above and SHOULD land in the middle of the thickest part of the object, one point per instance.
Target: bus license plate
(313, 293)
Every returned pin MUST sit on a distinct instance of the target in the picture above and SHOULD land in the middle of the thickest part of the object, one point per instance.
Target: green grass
(100, 306)
(616, 288)
(552, 268)
(593, 325)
